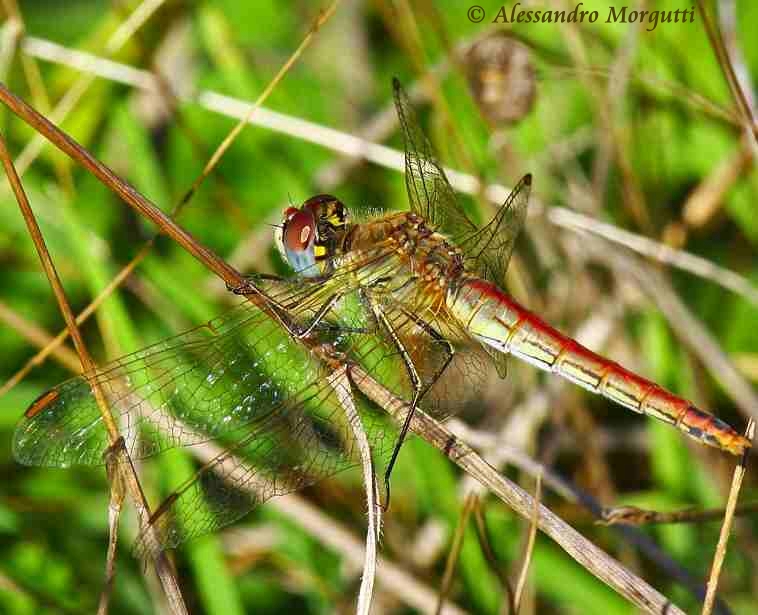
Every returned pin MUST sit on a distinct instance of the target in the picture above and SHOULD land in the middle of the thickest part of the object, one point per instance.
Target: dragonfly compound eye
(299, 231)
(298, 238)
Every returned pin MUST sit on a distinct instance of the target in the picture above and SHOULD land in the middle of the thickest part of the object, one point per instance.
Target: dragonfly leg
(320, 314)
(248, 286)
(420, 389)
(245, 288)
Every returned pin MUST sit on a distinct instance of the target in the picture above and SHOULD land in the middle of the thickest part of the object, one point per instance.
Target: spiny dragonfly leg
(245, 288)
(248, 286)
(320, 315)
(420, 389)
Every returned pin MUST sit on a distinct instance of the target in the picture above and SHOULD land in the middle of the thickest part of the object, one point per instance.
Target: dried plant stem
(229, 139)
(394, 580)
(74, 94)
(38, 337)
(632, 515)
(341, 385)
(486, 547)
(507, 454)
(726, 528)
(596, 561)
(55, 283)
(455, 551)
(714, 36)
(39, 93)
(121, 188)
(709, 196)
(524, 574)
(51, 347)
(162, 567)
(115, 504)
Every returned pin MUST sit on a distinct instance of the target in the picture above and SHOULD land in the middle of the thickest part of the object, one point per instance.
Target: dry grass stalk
(455, 551)
(726, 528)
(162, 567)
(596, 561)
(524, 574)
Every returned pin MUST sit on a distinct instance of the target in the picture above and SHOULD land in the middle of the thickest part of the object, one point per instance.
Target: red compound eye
(299, 229)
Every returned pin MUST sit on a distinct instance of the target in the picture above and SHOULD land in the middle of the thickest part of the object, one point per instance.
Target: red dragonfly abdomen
(497, 320)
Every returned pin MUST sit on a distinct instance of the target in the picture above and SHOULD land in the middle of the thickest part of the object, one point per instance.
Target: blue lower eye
(303, 262)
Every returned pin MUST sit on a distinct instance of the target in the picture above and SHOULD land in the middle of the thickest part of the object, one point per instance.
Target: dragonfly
(413, 297)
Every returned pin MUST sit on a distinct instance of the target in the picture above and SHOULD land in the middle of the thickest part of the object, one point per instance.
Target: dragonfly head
(309, 237)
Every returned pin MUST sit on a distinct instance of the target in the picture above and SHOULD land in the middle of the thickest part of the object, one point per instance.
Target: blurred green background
(633, 128)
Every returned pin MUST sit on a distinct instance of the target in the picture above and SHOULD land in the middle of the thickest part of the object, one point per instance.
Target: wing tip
(527, 179)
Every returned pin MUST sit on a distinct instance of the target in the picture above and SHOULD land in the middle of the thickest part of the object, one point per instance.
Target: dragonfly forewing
(144, 390)
(488, 249)
(205, 384)
(242, 384)
(430, 194)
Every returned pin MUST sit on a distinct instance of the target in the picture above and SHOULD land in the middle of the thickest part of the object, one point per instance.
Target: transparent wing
(431, 196)
(296, 444)
(491, 247)
(429, 191)
(200, 385)
(307, 437)
(191, 388)
(451, 367)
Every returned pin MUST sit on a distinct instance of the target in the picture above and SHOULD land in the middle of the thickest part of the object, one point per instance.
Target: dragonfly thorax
(419, 253)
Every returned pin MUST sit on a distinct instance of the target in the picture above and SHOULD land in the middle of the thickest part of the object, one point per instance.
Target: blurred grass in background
(662, 143)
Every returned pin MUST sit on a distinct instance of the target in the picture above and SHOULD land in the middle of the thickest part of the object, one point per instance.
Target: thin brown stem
(73, 95)
(322, 18)
(714, 36)
(484, 544)
(52, 275)
(55, 343)
(121, 188)
(632, 515)
(168, 579)
(114, 514)
(523, 575)
(726, 528)
(38, 337)
(587, 554)
(455, 552)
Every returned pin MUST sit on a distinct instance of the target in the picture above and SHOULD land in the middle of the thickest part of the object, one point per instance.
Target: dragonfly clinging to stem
(412, 297)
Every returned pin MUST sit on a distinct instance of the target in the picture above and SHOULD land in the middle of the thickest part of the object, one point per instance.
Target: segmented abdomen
(495, 319)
